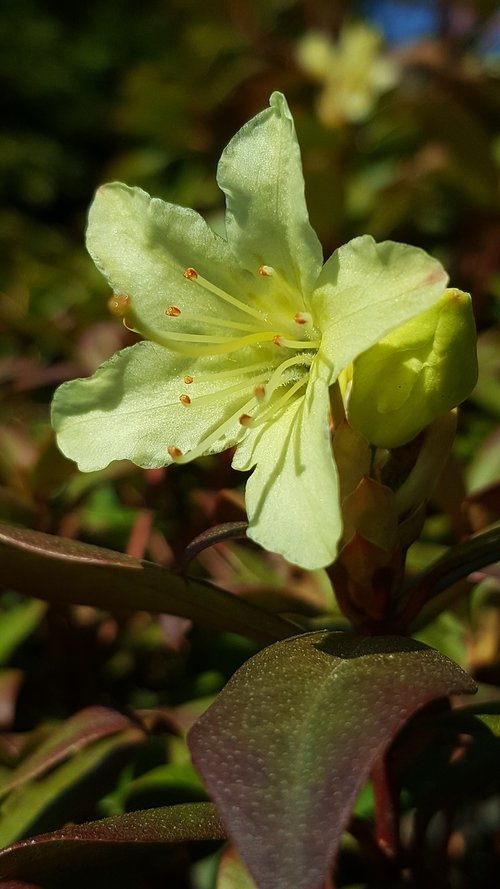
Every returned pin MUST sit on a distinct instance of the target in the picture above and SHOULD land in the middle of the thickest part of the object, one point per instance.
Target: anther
(174, 452)
(173, 311)
(302, 317)
(119, 304)
(245, 420)
(188, 379)
(190, 274)
(266, 271)
(278, 340)
(259, 391)
(184, 399)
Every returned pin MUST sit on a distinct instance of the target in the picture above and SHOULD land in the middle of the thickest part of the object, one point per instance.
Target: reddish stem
(386, 810)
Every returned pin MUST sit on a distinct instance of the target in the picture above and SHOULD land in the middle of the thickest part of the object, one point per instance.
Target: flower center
(267, 328)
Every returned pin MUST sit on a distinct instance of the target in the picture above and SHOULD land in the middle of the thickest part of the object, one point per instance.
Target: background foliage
(100, 91)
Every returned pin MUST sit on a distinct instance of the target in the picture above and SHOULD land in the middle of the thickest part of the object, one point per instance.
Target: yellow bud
(416, 373)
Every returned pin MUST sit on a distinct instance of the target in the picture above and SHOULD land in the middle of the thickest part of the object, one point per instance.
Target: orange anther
(259, 390)
(188, 379)
(119, 304)
(245, 420)
(174, 452)
(173, 311)
(299, 318)
(265, 271)
(190, 274)
(184, 399)
(277, 340)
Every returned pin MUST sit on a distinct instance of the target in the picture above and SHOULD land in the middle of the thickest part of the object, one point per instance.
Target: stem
(386, 814)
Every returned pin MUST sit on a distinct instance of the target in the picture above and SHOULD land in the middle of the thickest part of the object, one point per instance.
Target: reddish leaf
(289, 742)
(226, 531)
(62, 570)
(67, 849)
(79, 731)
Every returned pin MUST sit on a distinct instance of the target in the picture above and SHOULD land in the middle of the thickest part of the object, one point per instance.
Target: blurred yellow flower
(354, 72)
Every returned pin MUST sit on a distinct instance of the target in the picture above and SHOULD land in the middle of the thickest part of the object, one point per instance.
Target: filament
(232, 300)
(210, 439)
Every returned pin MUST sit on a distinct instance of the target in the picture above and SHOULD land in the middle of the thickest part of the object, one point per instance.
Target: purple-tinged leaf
(226, 531)
(289, 742)
(10, 684)
(57, 795)
(50, 854)
(79, 731)
(62, 570)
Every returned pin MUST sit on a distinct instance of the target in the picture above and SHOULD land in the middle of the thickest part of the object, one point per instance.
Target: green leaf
(17, 624)
(458, 562)
(53, 797)
(76, 733)
(232, 873)
(92, 844)
(61, 570)
(286, 747)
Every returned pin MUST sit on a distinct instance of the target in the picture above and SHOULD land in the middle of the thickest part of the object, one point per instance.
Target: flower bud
(416, 373)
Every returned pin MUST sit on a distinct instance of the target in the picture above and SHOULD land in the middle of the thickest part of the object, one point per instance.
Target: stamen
(278, 340)
(302, 317)
(209, 345)
(245, 420)
(206, 443)
(184, 399)
(276, 379)
(192, 275)
(119, 304)
(213, 321)
(266, 271)
(272, 407)
(298, 344)
(188, 379)
(174, 452)
(259, 391)
(173, 311)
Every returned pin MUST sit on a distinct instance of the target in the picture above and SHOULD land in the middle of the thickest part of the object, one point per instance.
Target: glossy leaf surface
(62, 570)
(287, 745)
(97, 841)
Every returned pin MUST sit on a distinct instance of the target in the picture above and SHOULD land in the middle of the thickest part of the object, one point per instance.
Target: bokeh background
(397, 108)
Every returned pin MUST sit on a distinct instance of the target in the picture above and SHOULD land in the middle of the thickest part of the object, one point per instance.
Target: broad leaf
(98, 841)
(288, 744)
(62, 570)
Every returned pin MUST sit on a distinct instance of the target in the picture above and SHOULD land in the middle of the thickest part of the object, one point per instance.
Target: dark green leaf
(289, 742)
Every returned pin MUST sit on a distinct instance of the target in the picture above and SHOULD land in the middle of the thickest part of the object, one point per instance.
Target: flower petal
(366, 290)
(267, 222)
(131, 408)
(143, 245)
(292, 495)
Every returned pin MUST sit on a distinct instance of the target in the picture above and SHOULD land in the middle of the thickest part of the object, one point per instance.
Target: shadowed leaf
(40, 857)
(289, 742)
(226, 531)
(79, 731)
(62, 570)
